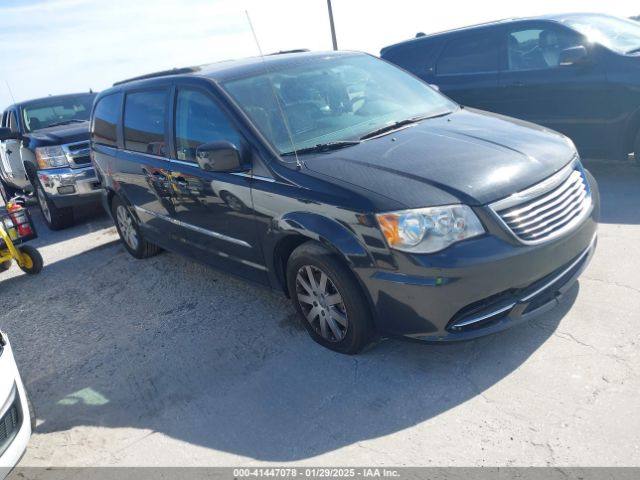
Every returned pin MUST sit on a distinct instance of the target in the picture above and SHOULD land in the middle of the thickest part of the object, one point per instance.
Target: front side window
(618, 34)
(144, 114)
(470, 54)
(105, 120)
(332, 99)
(538, 48)
(55, 111)
(199, 121)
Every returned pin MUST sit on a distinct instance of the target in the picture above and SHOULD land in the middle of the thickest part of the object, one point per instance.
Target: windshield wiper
(635, 50)
(402, 123)
(324, 147)
(66, 122)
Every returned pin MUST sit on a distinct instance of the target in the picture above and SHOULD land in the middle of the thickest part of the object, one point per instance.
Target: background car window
(538, 48)
(57, 111)
(144, 122)
(470, 54)
(200, 121)
(13, 121)
(105, 119)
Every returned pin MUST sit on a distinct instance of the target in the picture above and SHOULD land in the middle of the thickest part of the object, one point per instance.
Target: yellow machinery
(16, 228)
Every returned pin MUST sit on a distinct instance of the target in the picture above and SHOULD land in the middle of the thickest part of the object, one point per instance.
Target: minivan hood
(469, 156)
(75, 132)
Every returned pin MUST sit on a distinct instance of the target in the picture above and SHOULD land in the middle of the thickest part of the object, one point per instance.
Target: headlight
(428, 230)
(51, 157)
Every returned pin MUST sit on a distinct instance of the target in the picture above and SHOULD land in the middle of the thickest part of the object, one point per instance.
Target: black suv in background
(44, 148)
(578, 74)
(376, 203)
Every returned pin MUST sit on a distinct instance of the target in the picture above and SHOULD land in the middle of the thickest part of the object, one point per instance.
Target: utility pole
(333, 27)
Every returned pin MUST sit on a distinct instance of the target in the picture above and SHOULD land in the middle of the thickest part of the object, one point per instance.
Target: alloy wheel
(44, 206)
(321, 303)
(125, 223)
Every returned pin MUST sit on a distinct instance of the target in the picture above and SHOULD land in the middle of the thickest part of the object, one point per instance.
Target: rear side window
(418, 57)
(470, 54)
(144, 114)
(13, 121)
(105, 120)
(200, 121)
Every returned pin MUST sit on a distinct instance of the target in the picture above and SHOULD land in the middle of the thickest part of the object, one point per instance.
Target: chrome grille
(77, 154)
(548, 209)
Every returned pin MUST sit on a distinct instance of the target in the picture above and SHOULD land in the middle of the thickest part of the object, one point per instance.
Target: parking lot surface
(166, 362)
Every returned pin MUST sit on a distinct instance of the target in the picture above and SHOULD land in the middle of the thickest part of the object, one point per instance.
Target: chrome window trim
(195, 228)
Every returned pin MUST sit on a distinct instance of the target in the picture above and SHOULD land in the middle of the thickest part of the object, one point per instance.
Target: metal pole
(333, 27)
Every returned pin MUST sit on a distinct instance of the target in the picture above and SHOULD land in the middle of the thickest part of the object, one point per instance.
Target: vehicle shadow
(619, 184)
(174, 347)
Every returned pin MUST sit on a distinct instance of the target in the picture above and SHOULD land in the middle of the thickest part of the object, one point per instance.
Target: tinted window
(144, 122)
(469, 54)
(417, 57)
(105, 120)
(538, 48)
(200, 121)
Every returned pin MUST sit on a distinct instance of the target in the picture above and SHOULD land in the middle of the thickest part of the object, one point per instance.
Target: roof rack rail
(163, 73)
(295, 50)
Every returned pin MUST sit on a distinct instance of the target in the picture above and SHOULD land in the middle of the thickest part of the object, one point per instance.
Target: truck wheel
(129, 231)
(328, 298)
(55, 218)
(6, 191)
(33, 260)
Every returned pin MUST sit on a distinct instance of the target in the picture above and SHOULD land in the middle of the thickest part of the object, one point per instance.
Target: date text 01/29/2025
(325, 472)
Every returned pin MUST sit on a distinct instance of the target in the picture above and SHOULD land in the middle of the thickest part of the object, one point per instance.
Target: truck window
(470, 54)
(105, 120)
(144, 114)
(13, 121)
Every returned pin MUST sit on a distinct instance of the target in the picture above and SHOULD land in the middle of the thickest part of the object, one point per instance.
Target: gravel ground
(167, 362)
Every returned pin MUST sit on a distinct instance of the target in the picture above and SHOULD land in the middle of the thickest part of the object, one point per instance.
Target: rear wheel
(330, 302)
(32, 260)
(55, 218)
(129, 231)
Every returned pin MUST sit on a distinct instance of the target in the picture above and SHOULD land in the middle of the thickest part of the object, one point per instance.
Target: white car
(15, 417)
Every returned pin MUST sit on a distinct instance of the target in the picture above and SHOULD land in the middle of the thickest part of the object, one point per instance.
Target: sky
(52, 47)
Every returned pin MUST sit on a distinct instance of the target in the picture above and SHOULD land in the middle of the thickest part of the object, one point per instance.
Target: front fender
(330, 233)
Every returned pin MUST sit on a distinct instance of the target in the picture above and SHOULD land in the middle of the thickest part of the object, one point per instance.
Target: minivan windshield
(618, 34)
(55, 111)
(334, 101)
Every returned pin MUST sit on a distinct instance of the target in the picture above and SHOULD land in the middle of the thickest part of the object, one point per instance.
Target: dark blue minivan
(578, 74)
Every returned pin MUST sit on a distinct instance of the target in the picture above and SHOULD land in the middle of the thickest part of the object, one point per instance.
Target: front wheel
(328, 298)
(32, 260)
(55, 218)
(129, 231)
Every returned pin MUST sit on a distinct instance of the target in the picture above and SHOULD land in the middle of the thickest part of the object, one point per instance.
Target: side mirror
(574, 56)
(218, 157)
(8, 134)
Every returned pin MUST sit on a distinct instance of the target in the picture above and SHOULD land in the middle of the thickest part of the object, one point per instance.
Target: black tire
(4, 266)
(353, 308)
(7, 192)
(36, 261)
(141, 248)
(55, 218)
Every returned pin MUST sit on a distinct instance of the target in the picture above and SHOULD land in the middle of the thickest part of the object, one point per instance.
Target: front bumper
(68, 187)
(479, 286)
(14, 412)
